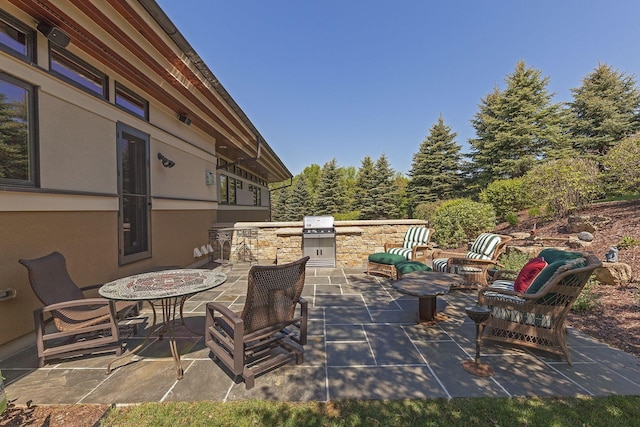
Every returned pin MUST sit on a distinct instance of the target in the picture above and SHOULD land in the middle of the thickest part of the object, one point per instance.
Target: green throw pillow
(556, 259)
(386, 258)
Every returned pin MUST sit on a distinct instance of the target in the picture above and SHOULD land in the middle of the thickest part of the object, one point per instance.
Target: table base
(478, 369)
(169, 309)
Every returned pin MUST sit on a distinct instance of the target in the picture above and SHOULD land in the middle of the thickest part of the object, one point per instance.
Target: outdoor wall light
(166, 162)
(184, 119)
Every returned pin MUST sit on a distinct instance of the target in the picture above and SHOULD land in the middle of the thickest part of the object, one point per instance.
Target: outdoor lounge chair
(83, 325)
(536, 318)
(269, 331)
(474, 265)
(415, 244)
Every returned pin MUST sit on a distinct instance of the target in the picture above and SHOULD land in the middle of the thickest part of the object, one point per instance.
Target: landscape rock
(577, 243)
(613, 273)
(589, 223)
(585, 236)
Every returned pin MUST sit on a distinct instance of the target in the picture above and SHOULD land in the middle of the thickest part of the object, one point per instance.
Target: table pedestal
(478, 314)
(426, 308)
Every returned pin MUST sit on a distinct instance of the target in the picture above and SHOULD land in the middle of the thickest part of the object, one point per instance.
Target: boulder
(585, 236)
(576, 243)
(590, 223)
(613, 273)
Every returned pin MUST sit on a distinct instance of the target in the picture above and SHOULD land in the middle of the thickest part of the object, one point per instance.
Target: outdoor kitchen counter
(297, 231)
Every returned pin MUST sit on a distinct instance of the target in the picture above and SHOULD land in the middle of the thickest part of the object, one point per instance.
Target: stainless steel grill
(319, 240)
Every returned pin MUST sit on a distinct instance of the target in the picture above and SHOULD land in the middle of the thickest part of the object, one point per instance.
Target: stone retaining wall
(281, 242)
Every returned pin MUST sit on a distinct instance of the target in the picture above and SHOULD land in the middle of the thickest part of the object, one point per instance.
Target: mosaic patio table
(169, 289)
(427, 285)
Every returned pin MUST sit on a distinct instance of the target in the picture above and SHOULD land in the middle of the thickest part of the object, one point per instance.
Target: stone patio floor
(363, 344)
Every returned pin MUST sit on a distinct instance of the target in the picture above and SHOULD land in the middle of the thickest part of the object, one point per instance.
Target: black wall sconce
(184, 119)
(166, 162)
(54, 34)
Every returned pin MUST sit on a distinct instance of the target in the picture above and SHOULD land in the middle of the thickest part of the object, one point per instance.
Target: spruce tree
(516, 128)
(435, 170)
(364, 186)
(384, 194)
(299, 202)
(604, 111)
(331, 199)
(279, 201)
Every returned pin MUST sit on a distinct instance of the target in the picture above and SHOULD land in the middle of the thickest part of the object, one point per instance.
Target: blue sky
(345, 79)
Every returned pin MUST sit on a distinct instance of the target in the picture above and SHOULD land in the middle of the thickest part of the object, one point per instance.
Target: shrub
(425, 211)
(628, 242)
(461, 220)
(512, 218)
(622, 163)
(514, 260)
(587, 300)
(347, 216)
(506, 196)
(564, 185)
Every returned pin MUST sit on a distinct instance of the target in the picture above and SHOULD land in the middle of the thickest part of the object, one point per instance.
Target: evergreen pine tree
(299, 203)
(516, 128)
(364, 187)
(384, 194)
(279, 201)
(604, 111)
(435, 171)
(331, 199)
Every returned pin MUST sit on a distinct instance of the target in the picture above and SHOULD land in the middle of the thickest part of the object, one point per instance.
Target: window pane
(223, 189)
(131, 102)
(15, 146)
(78, 72)
(134, 211)
(232, 191)
(13, 38)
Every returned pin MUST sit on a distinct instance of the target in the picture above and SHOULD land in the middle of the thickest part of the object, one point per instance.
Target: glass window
(74, 70)
(224, 198)
(232, 191)
(257, 196)
(16, 38)
(131, 102)
(17, 140)
(133, 191)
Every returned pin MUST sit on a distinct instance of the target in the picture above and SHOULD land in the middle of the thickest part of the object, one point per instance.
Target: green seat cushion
(555, 258)
(386, 258)
(405, 267)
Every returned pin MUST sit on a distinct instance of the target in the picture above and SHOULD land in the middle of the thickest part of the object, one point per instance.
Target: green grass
(611, 411)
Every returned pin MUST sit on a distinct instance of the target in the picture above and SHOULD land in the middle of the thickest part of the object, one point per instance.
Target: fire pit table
(427, 285)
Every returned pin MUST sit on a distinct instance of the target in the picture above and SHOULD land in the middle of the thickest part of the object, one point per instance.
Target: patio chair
(269, 331)
(536, 318)
(474, 265)
(415, 244)
(82, 325)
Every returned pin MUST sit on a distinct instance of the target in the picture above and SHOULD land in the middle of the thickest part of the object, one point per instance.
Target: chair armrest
(76, 303)
(505, 275)
(439, 253)
(388, 246)
(226, 312)
(91, 287)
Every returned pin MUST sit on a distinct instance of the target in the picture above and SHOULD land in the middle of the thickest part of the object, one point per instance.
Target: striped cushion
(484, 246)
(405, 252)
(440, 264)
(415, 236)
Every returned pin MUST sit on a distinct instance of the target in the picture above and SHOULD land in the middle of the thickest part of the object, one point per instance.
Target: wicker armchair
(536, 318)
(268, 332)
(473, 265)
(83, 325)
(415, 244)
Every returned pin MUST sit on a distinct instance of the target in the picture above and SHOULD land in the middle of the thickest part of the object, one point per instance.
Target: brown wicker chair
(473, 265)
(263, 335)
(537, 319)
(82, 325)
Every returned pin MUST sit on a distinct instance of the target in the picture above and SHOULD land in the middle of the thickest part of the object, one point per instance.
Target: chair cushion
(386, 258)
(556, 259)
(484, 246)
(405, 267)
(415, 236)
(405, 252)
(440, 264)
(528, 273)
